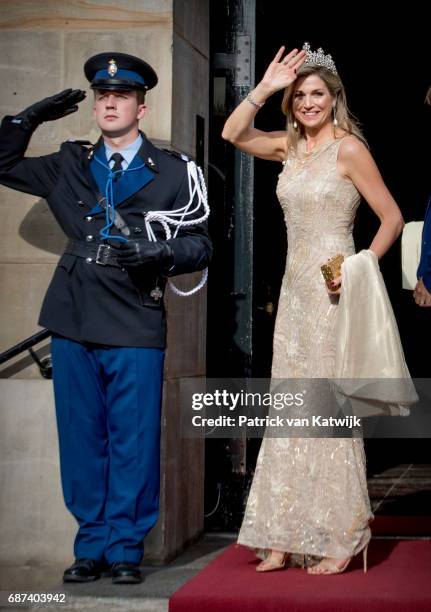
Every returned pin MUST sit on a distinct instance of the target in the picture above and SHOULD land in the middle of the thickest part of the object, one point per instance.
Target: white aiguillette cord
(166, 218)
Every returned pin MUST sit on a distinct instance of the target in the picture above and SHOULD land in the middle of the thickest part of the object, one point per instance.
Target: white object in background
(411, 242)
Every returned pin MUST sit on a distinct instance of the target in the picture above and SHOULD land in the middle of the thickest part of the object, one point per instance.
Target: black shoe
(84, 570)
(123, 572)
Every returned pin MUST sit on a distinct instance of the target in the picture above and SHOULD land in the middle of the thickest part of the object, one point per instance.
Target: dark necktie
(117, 158)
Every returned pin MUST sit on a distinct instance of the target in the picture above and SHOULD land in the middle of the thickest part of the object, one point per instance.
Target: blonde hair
(346, 121)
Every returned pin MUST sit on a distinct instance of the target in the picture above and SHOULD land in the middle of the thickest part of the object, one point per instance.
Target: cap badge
(113, 68)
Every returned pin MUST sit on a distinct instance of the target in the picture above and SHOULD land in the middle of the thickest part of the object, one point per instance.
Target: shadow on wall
(40, 229)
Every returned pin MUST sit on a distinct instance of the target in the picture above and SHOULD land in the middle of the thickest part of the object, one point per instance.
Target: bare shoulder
(351, 146)
(351, 154)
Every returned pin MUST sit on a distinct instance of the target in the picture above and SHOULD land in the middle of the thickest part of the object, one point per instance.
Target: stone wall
(43, 48)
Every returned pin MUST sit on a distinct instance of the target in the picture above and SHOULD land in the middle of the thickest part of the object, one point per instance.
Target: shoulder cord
(197, 187)
(109, 199)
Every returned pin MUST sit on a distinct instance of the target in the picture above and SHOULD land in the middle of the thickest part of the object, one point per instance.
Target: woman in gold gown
(309, 495)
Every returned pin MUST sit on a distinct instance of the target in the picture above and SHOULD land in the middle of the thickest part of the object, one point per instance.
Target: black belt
(99, 252)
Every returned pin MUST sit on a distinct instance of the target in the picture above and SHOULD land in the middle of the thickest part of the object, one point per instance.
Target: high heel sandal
(269, 566)
(332, 568)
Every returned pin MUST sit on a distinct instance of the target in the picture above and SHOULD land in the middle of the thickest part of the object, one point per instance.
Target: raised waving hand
(282, 72)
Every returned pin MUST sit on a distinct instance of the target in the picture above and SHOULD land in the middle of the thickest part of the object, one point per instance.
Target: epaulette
(177, 154)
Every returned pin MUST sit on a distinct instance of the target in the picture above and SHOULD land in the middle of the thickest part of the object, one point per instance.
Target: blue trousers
(108, 403)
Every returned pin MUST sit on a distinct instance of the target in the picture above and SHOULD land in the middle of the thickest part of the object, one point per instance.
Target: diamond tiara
(318, 58)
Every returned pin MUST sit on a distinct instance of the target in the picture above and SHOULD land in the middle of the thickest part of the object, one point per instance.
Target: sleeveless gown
(309, 495)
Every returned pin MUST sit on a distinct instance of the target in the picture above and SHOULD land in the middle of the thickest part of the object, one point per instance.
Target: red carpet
(398, 580)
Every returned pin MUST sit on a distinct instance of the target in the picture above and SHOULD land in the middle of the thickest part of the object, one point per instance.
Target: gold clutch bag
(332, 268)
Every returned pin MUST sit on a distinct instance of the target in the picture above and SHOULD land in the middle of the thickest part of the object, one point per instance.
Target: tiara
(318, 58)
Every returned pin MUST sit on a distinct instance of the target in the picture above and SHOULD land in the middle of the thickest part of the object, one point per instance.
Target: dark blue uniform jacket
(88, 302)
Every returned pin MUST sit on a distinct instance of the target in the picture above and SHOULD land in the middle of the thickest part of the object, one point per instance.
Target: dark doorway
(384, 64)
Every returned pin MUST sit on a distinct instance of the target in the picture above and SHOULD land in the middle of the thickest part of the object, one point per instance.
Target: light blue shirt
(128, 152)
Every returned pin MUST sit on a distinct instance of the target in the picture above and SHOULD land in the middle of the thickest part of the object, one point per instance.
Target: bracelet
(253, 102)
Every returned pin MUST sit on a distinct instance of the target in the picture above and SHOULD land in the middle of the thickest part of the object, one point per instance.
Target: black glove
(54, 107)
(135, 253)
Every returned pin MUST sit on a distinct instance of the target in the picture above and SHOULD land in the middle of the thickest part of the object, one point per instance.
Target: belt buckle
(103, 254)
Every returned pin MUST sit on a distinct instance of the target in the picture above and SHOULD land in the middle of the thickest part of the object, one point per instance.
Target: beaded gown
(309, 495)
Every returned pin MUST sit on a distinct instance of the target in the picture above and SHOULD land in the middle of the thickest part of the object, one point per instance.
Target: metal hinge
(239, 61)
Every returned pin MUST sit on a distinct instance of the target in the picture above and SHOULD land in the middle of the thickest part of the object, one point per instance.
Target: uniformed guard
(117, 202)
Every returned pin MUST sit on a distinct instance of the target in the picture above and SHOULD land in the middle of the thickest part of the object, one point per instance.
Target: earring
(295, 125)
(335, 122)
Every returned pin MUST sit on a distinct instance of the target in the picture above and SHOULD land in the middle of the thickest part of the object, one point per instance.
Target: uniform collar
(147, 152)
(128, 152)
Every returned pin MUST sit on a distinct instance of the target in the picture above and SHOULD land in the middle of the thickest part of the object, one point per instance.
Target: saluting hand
(51, 108)
(282, 72)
